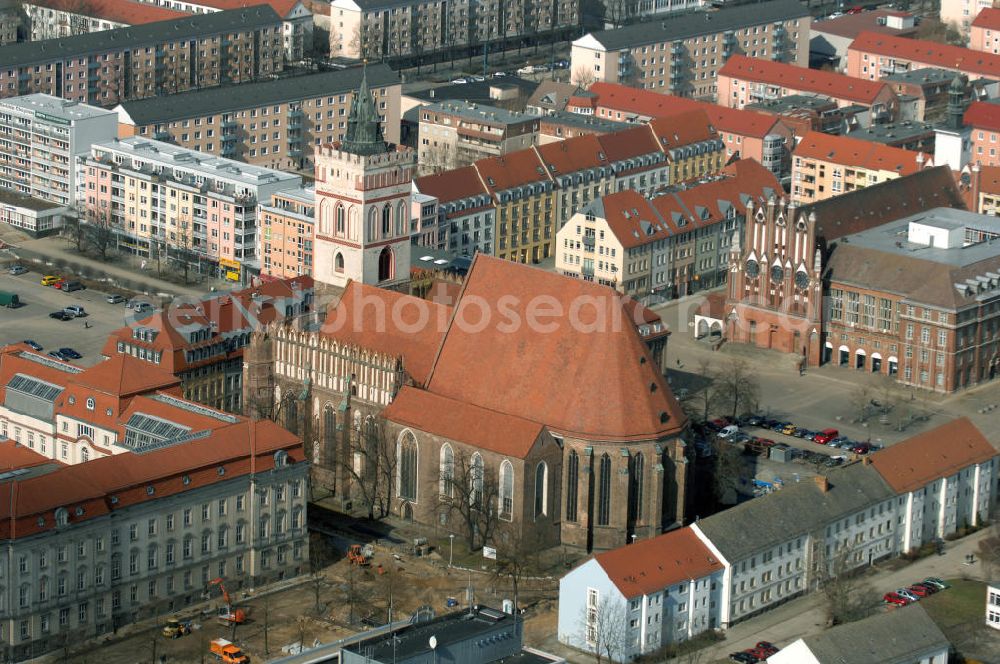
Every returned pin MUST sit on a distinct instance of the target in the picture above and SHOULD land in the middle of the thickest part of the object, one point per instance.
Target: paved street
(824, 394)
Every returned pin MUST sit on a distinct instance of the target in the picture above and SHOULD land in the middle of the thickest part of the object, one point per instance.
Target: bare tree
(861, 402)
(583, 77)
(699, 400)
(604, 629)
(618, 12)
(99, 230)
(372, 466)
(848, 597)
(74, 229)
(730, 471)
(471, 492)
(737, 386)
(517, 557)
(989, 552)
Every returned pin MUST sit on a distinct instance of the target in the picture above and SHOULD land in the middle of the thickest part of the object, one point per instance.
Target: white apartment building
(41, 137)
(656, 592)
(53, 19)
(124, 500)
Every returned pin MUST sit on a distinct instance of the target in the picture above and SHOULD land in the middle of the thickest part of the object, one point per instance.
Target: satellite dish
(433, 641)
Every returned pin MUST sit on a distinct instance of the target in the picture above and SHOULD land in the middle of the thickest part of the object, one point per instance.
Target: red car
(825, 436)
(766, 648)
(926, 586)
(895, 598)
(919, 591)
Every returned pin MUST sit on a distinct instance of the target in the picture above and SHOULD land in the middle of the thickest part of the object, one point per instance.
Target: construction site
(363, 578)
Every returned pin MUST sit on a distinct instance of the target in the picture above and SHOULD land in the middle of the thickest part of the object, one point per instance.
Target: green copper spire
(364, 133)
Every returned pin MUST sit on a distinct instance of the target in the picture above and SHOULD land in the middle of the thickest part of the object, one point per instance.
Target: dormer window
(90, 403)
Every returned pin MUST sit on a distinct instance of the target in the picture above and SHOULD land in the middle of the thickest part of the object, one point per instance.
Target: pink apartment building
(984, 35)
(168, 203)
(287, 229)
(873, 56)
(984, 119)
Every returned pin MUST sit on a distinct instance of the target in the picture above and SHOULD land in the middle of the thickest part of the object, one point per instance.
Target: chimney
(822, 483)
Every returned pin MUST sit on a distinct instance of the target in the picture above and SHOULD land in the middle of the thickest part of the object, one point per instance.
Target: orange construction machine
(227, 614)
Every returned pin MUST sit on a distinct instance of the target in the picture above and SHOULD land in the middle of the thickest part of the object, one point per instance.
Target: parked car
(929, 588)
(780, 426)
(729, 431)
(742, 657)
(825, 436)
(895, 598)
(764, 650)
(788, 429)
(459, 81)
(34, 345)
(70, 286)
(527, 69)
(58, 285)
(861, 448)
(934, 581)
(61, 315)
(56, 354)
(70, 353)
(478, 79)
(76, 310)
(919, 591)
(50, 279)
(907, 594)
(754, 420)
(17, 269)
(10, 300)
(114, 299)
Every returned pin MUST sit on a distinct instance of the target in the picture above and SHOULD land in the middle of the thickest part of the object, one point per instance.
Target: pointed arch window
(604, 493)
(572, 484)
(400, 219)
(372, 224)
(541, 489)
(407, 467)
(386, 220)
(637, 486)
(476, 475)
(506, 490)
(447, 471)
(341, 224)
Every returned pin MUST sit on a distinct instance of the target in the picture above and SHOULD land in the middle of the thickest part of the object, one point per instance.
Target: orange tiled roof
(451, 185)
(940, 452)
(988, 18)
(651, 104)
(573, 154)
(628, 144)
(512, 170)
(855, 152)
(983, 115)
(389, 323)
(816, 81)
(682, 129)
(458, 420)
(609, 387)
(119, 11)
(281, 7)
(928, 53)
(651, 565)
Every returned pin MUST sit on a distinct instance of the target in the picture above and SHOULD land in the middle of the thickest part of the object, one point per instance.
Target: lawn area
(961, 605)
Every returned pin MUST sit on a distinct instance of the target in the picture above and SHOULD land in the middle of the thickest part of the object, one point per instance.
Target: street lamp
(451, 546)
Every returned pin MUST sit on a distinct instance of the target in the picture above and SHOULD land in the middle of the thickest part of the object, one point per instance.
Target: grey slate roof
(211, 101)
(897, 637)
(684, 26)
(26, 53)
(794, 511)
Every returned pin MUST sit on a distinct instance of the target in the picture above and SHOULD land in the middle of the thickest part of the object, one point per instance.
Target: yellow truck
(227, 653)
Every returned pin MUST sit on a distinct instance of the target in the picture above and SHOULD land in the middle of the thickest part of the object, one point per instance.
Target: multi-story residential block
(202, 344)
(875, 639)
(983, 190)
(286, 233)
(744, 80)
(455, 134)
(462, 218)
(961, 13)
(682, 55)
(746, 134)
(914, 299)
(930, 87)
(163, 199)
(672, 244)
(657, 592)
(982, 121)
(525, 201)
(124, 500)
(873, 56)
(296, 19)
(993, 605)
(33, 216)
(41, 138)
(275, 124)
(824, 166)
(782, 545)
(561, 125)
(55, 19)
(984, 34)
(386, 29)
(830, 37)
(151, 60)
(10, 22)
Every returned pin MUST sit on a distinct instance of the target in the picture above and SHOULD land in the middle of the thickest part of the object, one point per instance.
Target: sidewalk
(124, 272)
(806, 615)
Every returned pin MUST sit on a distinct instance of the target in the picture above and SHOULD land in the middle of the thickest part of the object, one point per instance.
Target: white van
(729, 431)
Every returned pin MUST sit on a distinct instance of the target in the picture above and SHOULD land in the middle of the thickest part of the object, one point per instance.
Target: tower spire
(364, 133)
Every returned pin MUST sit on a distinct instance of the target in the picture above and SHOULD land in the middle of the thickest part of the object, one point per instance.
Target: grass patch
(961, 605)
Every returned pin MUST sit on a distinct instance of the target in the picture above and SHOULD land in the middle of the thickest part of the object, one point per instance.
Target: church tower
(362, 230)
(952, 139)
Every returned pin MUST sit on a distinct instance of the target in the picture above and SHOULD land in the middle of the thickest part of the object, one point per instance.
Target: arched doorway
(845, 356)
(716, 330)
(860, 357)
(407, 512)
(876, 363)
(893, 365)
(827, 352)
(338, 262)
(702, 328)
(386, 265)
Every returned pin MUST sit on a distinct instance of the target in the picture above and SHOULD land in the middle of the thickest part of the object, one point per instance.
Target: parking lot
(86, 335)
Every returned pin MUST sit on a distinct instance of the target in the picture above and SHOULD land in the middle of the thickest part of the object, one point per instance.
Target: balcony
(587, 270)
(588, 243)
(227, 122)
